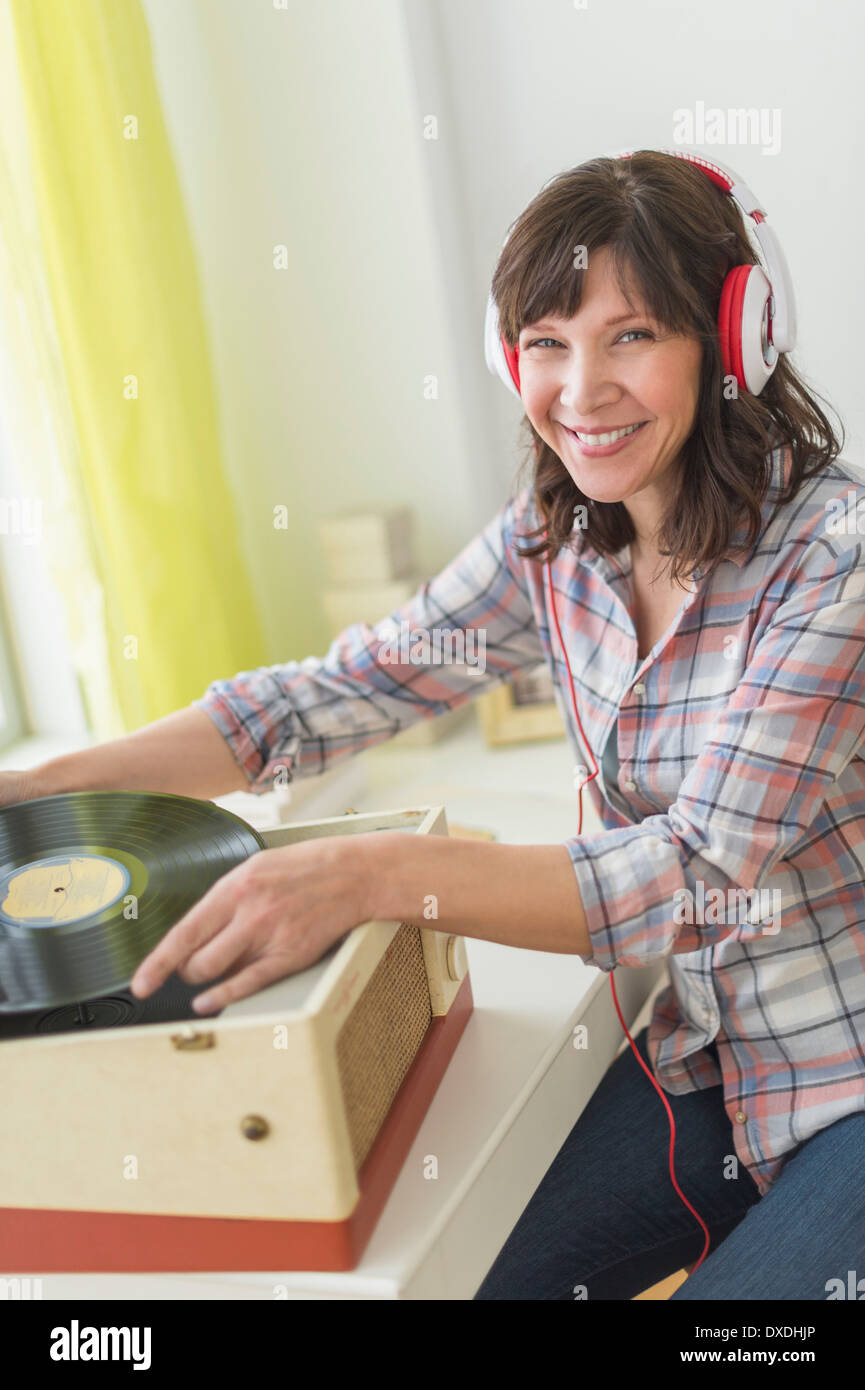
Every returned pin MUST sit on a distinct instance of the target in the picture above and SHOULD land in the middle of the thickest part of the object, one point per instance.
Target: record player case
(267, 1137)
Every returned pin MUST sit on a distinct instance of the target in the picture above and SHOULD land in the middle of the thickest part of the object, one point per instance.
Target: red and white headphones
(756, 315)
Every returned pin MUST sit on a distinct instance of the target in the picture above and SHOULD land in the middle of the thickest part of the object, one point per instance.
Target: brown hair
(674, 234)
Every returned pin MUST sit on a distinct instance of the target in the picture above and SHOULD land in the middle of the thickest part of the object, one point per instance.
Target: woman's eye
(634, 333)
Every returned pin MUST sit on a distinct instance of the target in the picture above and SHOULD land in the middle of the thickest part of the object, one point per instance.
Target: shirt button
(639, 688)
(740, 1117)
(632, 786)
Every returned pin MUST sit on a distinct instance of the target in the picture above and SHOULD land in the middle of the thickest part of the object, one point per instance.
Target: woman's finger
(227, 948)
(209, 915)
(261, 972)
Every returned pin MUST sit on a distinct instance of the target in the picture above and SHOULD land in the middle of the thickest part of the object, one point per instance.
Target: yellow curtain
(151, 545)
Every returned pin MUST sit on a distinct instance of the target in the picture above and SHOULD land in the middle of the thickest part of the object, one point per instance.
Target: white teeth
(596, 440)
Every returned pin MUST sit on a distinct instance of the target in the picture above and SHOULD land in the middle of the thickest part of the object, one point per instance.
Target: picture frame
(521, 710)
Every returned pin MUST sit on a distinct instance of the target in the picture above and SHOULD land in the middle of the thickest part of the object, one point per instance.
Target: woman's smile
(614, 440)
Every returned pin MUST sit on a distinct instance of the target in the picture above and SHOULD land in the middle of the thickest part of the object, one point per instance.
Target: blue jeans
(606, 1218)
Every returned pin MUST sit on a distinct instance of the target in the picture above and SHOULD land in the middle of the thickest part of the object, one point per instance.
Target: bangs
(542, 280)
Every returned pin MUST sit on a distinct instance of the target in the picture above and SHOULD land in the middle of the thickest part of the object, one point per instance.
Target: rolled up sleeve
(301, 717)
(796, 719)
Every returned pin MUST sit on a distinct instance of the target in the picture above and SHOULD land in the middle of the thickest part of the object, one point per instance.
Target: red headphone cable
(634, 1049)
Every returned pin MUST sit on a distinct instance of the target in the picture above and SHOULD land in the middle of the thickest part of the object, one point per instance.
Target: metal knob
(456, 959)
(254, 1127)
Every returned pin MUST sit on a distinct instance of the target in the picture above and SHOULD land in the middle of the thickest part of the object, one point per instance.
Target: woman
(730, 710)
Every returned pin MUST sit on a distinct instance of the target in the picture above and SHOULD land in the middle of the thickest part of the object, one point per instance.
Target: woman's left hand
(274, 914)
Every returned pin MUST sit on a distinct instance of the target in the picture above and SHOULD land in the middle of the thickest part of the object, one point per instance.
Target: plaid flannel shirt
(734, 835)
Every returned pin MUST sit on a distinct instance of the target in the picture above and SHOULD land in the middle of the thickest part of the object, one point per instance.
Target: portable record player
(140, 1136)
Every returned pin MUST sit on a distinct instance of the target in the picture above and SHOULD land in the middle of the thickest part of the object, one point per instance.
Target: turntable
(138, 1135)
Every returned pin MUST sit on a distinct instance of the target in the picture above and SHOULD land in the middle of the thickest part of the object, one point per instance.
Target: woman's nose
(586, 386)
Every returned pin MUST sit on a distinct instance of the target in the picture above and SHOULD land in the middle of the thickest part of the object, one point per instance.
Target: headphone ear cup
(744, 299)
(730, 322)
(512, 358)
(501, 360)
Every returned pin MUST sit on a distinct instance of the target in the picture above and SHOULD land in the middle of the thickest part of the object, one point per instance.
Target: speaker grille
(380, 1038)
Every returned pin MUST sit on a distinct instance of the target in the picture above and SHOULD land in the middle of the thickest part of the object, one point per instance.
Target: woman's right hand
(20, 786)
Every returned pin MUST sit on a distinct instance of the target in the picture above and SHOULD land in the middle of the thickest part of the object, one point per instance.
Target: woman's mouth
(600, 445)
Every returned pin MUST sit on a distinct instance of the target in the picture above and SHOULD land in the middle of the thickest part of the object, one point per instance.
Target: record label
(61, 888)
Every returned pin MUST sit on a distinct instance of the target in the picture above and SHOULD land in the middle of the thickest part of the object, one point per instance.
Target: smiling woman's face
(592, 376)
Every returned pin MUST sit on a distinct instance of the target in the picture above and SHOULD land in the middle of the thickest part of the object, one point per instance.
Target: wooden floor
(665, 1289)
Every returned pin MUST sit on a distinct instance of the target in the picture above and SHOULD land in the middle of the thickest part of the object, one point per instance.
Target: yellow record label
(63, 888)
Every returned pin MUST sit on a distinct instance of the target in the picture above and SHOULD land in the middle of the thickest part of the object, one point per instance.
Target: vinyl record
(90, 882)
